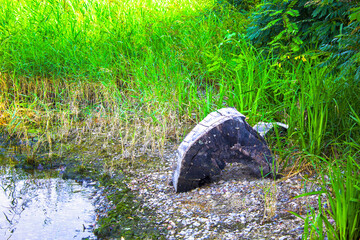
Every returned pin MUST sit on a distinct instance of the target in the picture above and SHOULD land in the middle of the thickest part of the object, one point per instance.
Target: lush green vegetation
(134, 75)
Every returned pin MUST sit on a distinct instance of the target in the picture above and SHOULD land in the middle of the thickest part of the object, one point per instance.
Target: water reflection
(39, 205)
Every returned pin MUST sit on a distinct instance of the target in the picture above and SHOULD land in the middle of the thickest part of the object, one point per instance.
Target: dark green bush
(276, 24)
(286, 25)
(345, 49)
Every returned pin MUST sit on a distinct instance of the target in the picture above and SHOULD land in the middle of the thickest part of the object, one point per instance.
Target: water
(40, 205)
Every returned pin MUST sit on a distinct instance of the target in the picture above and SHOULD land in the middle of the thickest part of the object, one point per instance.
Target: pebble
(196, 224)
(235, 207)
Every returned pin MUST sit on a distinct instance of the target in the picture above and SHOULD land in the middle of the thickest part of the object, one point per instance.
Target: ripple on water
(46, 208)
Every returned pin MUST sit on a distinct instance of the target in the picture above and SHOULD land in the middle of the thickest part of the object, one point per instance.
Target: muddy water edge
(76, 191)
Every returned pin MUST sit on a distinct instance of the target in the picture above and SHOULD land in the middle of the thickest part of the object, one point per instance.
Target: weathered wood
(222, 137)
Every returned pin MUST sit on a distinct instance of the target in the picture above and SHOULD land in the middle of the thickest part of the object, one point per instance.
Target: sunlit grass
(94, 39)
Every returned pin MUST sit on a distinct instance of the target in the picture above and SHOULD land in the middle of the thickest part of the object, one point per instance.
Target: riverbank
(138, 202)
(111, 86)
(78, 177)
(238, 206)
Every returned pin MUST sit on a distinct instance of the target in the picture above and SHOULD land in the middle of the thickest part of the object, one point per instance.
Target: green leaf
(276, 13)
(297, 215)
(230, 35)
(213, 67)
(295, 47)
(270, 24)
(309, 194)
(354, 200)
(355, 15)
(297, 40)
(293, 12)
(278, 37)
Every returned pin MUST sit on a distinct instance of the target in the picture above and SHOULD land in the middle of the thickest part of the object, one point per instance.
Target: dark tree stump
(222, 137)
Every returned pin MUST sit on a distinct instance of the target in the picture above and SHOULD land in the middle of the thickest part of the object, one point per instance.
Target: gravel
(238, 206)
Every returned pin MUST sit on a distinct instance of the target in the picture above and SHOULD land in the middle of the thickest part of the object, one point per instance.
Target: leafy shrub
(275, 23)
(286, 24)
(345, 48)
(330, 16)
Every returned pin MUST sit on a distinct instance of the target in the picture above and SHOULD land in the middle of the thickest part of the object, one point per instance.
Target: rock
(264, 128)
(222, 137)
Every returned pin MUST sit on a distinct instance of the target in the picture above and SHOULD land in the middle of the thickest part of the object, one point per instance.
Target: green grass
(341, 185)
(134, 75)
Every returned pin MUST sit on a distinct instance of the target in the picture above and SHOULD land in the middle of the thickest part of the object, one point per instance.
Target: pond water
(41, 205)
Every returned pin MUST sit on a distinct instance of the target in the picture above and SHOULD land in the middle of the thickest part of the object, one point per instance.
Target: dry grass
(270, 198)
(85, 114)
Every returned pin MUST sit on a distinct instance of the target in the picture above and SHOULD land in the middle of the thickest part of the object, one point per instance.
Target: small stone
(196, 224)
(220, 209)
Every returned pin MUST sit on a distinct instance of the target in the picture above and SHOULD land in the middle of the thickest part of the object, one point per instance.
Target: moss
(127, 218)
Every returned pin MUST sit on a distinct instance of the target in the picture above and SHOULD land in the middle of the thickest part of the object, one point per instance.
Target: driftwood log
(222, 137)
